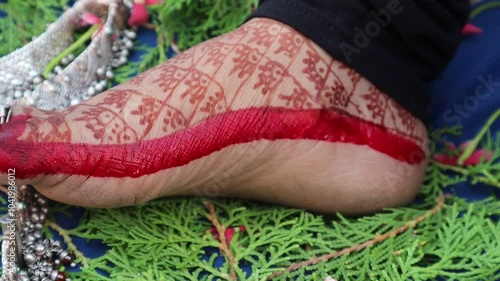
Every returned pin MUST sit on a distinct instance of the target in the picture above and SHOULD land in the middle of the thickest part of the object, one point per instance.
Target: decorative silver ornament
(75, 79)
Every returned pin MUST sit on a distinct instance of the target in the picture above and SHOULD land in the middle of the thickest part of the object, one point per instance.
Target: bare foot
(260, 113)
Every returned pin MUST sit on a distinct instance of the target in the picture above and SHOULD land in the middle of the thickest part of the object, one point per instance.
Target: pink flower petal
(214, 233)
(229, 233)
(464, 145)
(450, 146)
(470, 29)
(90, 19)
(153, 2)
(445, 159)
(139, 15)
(476, 156)
(474, 159)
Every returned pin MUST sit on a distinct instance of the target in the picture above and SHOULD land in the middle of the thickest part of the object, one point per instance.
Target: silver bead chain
(34, 257)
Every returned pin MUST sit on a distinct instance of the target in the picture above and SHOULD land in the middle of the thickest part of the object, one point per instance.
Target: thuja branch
(212, 217)
(71, 246)
(487, 179)
(174, 47)
(161, 47)
(359, 247)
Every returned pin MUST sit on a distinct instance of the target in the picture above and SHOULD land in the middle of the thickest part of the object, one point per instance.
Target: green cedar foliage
(24, 19)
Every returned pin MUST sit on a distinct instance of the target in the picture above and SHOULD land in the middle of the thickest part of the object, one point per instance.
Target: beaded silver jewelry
(33, 257)
(26, 253)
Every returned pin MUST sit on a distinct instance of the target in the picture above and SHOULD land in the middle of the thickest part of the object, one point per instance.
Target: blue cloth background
(457, 99)
(461, 96)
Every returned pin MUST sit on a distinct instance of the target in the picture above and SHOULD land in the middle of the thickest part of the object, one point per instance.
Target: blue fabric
(455, 101)
(462, 95)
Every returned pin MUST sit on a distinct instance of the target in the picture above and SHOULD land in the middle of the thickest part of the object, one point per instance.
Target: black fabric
(412, 45)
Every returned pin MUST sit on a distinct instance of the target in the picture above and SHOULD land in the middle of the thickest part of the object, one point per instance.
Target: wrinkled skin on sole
(260, 113)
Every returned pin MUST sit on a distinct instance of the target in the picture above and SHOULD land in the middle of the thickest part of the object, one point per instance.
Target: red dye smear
(180, 148)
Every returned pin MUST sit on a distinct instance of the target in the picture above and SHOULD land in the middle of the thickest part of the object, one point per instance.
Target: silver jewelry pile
(75, 79)
(37, 258)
